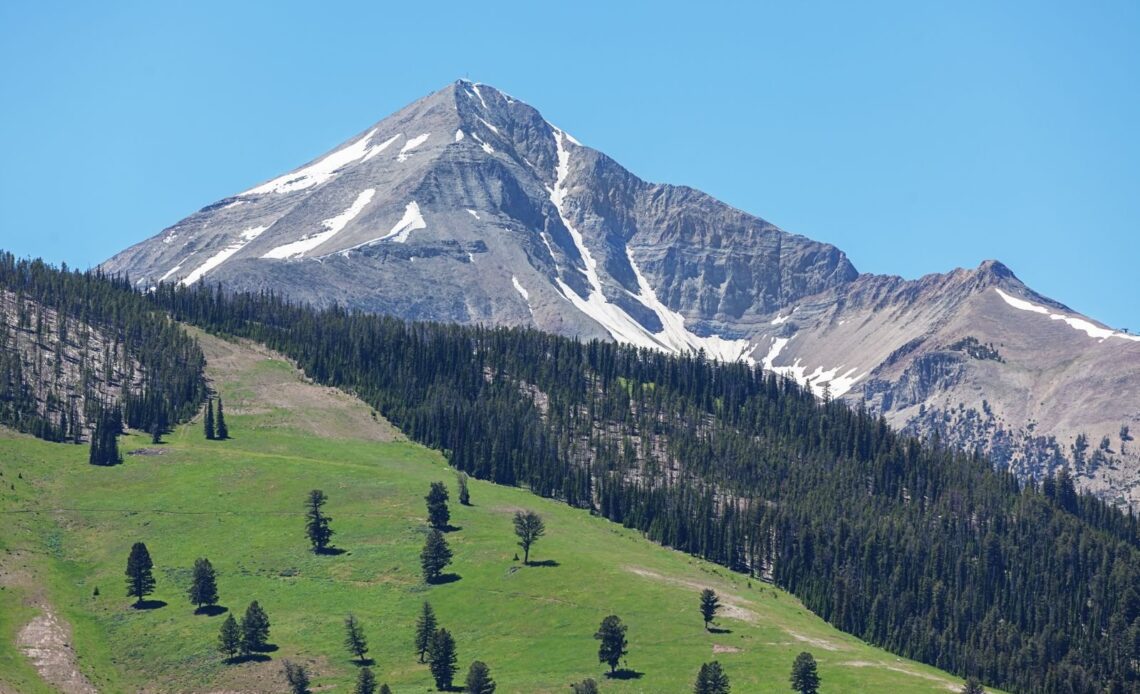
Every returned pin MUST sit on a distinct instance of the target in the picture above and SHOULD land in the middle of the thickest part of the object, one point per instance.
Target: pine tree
(438, 515)
(613, 643)
(354, 639)
(805, 678)
(140, 578)
(104, 440)
(317, 523)
(297, 676)
(464, 492)
(208, 421)
(204, 584)
(435, 556)
(385, 689)
(221, 431)
(711, 680)
(254, 629)
(528, 527)
(973, 686)
(426, 624)
(365, 682)
(229, 637)
(710, 603)
(442, 659)
(479, 679)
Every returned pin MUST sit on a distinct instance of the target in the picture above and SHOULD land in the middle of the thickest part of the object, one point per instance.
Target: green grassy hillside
(68, 528)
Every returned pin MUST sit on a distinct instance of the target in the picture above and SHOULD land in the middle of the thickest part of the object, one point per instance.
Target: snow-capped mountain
(468, 206)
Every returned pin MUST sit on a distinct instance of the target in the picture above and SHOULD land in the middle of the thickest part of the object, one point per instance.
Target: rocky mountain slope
(468, 206)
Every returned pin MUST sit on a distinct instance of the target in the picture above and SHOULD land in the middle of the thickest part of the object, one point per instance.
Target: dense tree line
(908, 544)
(157, 365)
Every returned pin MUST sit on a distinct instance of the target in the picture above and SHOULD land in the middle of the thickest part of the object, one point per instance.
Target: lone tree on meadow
(613, 645)
(140, 575)
(710, 603)
(221, 431)
(354, 639)
(442, 659)
(805, 678)
(711, 680)
(435, 556)
(973, 686)
(365, 682)
(208, 420)
(426, 625)
(254, 629)
(204, 586)
(316, 522)
(528, 527)
(297, 676)
(479, 679)
(464, 492)
(438, 515)
(229, 637)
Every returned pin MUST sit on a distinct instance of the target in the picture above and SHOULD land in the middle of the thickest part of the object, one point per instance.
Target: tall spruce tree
(140, 577)
(316, 522)
(710, 603)
(613, 646)
(208, 420)
(528, 527)
(354, 639)
(436, 555)
(229, 637)
(442, 658)
(711, 680)
(221, 431)
(104, 439)
(365, 682)
(805, 677)
(203, 585)
(297, 677)
(464, 492)
(479, 679)
(254, 629)
(426, 624)
(438, 515)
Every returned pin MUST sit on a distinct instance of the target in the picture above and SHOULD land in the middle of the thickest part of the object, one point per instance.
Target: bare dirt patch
(258, 381)
(731, 606)
(717, 648)
(952, 686)
(817, 642)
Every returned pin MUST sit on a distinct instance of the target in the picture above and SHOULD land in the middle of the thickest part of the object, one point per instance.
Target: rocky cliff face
(468, 206)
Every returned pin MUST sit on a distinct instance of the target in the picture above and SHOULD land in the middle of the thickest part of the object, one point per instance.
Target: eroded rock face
(468, 206)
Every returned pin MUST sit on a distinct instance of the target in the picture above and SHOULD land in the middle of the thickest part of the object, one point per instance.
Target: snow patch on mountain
(411, 221)
(222, 255)
(458, 135)
(1092, 330)
(333, 226)
(319, 172)
(410, 145)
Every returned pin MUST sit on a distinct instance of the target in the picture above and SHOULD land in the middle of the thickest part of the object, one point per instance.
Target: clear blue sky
(917, 136)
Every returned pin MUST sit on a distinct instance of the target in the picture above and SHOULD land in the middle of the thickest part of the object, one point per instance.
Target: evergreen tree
(435, 556)
(140, 577)
(710, 603)
(528, 527)
(385, 689)
(425, 627)
(973, 686)
(479, 679)
(354, 639)
(442, 659)
(805, 678)
(613, 644)
(438, 515)
(711, 680)
(297, 676)
(204, 584)
(365, 682)
(586, 686)
(104, 440)
(464, 492)
(221, 431)
(254, 629)
(208, 420)
(229, 637)
(316, 522)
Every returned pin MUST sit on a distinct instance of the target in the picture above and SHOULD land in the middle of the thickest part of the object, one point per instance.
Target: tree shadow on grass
(444, 579)
(248, 658)
(363, 662)
(211, 610)
(625, 674)
(267, 648)
(718, 630)
(451, 529)
(545, 562)
(149, 604)
(330, 551)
